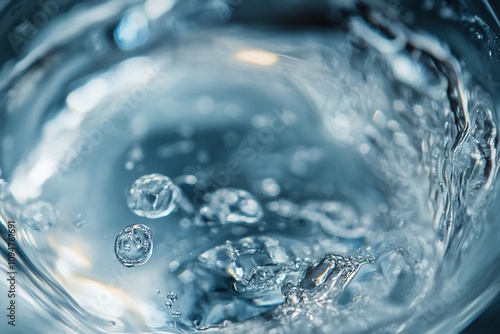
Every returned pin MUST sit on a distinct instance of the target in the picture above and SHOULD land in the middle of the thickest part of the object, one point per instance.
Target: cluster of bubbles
(260, 271)
(155, 196)
(171, 299)
(257, 273)
(231, 206)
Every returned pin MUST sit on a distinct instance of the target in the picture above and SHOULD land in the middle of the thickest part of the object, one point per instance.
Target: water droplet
(176, 314)
(158, 291)
(152, 196)
(230, 205)
(172, 296)
(168, 304)
(134, 245)
(40, 216)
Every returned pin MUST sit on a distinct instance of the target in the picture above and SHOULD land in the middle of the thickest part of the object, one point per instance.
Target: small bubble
(79, 223)
(185, 223)
(283, 208)
(186, 179)
(134, 245)
(40, 216)
(174, 265)
(129, 165)
(203, 157)
(364, 148)
(230, 205)
(152, 196)
(168, 304)
(158, 291)
(111, 323)
(136, 154)
(270, 187)
(336, 218)
(172, 296)
(176, 314)
(370, 259)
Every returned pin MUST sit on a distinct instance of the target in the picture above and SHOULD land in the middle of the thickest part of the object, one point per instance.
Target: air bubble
(153, 196)
(283, 208)
(270, 187)
(134, 245)
(335, 218)
(172, 296)
(230, 205)
(176, 314)
(40, 216)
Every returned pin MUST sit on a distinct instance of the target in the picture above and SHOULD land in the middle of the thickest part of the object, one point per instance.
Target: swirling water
(294, 182)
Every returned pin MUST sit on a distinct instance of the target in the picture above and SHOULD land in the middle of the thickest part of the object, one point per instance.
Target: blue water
(172, 178)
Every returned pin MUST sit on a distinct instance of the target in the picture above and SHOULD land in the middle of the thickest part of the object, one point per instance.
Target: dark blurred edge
(488, 322)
